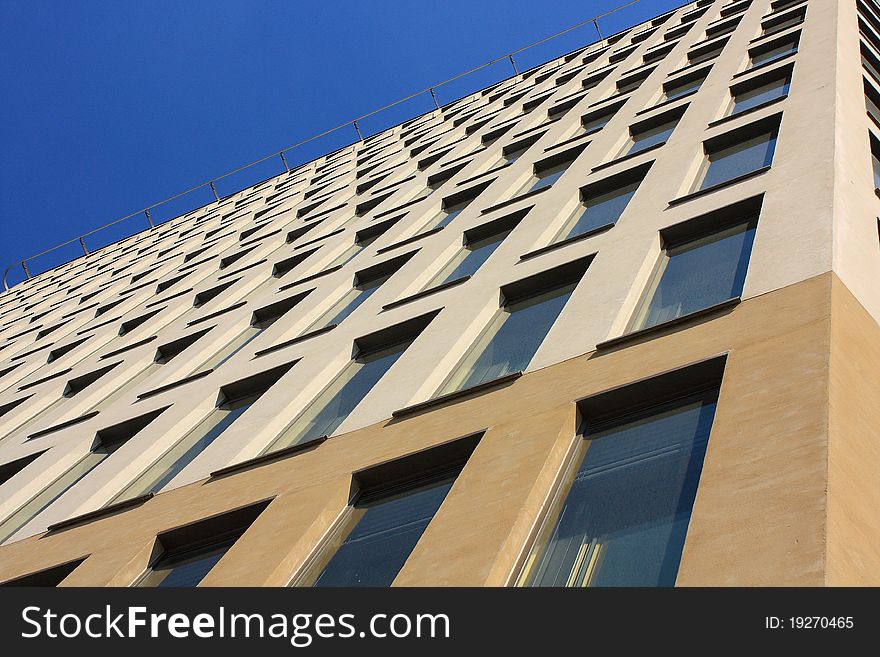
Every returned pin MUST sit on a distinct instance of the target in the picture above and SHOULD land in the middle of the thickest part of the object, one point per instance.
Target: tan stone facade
(788, 493)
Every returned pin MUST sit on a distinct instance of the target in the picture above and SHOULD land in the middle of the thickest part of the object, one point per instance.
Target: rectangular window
(875, 160)
(603, 202)
(697, 273)
(776, 50)
(551, 169)
(107, 441)
(394, 504)
(759, 92)
(683, 86)
(234, 400)
(644, 136)
(467, 261)
(189, 553)
(628, 503)
(595, 121)
(739, 153)
(512, 338)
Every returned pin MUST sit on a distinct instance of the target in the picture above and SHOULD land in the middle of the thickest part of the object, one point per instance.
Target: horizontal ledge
(242, 269)
(456, 395)
(426, 293)
(719, 186)
(409, 240)
(563, 243)
(500, 167)
(306, 279)
(666, 103)
(663, 326)
(62, 425)
(568, 142)
(746, 112)
(783, 32)
(99, 513)
(296, 340)
(133, 345)
(515, 199)
(763, 65)
(175, 384)
(318, 239)
(217, 313)
(268, 457)
(626, 158)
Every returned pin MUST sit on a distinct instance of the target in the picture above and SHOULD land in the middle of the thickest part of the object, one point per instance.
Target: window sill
(783, 32)
(62, 425)
(569, 141)
(763, 65)
(458, 395)
(325, 272)
(217, 313)
(426, 293)
(515, 199)
(652, 331)
(175, 384)
(746, 112)
(269, 457)
(719, 186)
(625, 158)
(410, 240)
(296, 340)
(109, 510)
(500, 167)
(563, 243)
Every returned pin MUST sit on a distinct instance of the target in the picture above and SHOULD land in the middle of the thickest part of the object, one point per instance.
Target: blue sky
(110, 106)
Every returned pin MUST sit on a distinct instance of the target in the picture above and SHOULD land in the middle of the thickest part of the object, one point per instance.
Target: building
(612, 321)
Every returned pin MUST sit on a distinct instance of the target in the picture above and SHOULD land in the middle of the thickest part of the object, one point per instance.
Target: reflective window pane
(650, 137)
(549, 176)
(776, 53)
(683, 89)
(764, 94)
(624, 519)
(469, 259)
(379, 536)
(739, 159)
(697, 275)
(601, 210)
(347, 305)
(185, 570)
(510, 341)
(339, 399)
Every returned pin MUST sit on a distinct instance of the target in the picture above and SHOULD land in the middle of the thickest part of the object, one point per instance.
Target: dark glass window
(738, 159)
(698, 274)
(625, 515)
(648, 137)
(470, 258)
(764, 93)
(185, 569)
(600, 210)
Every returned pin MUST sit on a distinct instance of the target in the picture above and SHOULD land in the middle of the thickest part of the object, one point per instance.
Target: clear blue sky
(108, 105)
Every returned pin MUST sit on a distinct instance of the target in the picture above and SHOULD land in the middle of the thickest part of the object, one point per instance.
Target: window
(772, 52)
(700, 55)
(627, 505)
(514, 335)
(683, 86)
(49, 577)
(375, 356)
(550, 169)
(738, 154)
(106, 442)
(479, 244)
(759, 92)
(346, 256)
(234, 400)
(875, 160)
(603, 202)
(644, 136)
(778, 24)
(595, 121)
(189, 553)
(455, 204)
(394, 504)
(697, 273)
(872, 103)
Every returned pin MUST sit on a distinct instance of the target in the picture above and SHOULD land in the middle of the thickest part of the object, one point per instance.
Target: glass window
(706, 55)
(777, 52)
(187, 449)
(450, 213)
(511, 340)
(625, 513)
(595, 123)
(677, 90)
(340, 398)
(348, 304)
(600, 210)
(796, 19)
(185, 569)
(549, 176)
(698, 274)
(651, 136)
(875, 163)
(739, 159)
(469, 259)
(56, 489)
(764, 93)
(377, 537)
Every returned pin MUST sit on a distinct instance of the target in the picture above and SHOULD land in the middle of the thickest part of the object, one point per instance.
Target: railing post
(214, 189)
(284, 162)
(598, 31)
(27, 274)
(357, 130)
(434, 97)
(82, 243)
(147, 212)
(513, 63)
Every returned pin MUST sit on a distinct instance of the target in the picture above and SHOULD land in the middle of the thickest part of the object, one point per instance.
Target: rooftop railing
(145, 215)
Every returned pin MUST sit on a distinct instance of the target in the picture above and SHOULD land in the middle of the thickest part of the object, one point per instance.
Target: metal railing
(594, 21)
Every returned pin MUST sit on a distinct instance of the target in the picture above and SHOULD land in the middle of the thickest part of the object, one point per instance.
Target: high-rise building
(612, 321)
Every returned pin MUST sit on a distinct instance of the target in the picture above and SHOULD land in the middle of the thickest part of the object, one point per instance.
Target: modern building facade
(613, 321)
